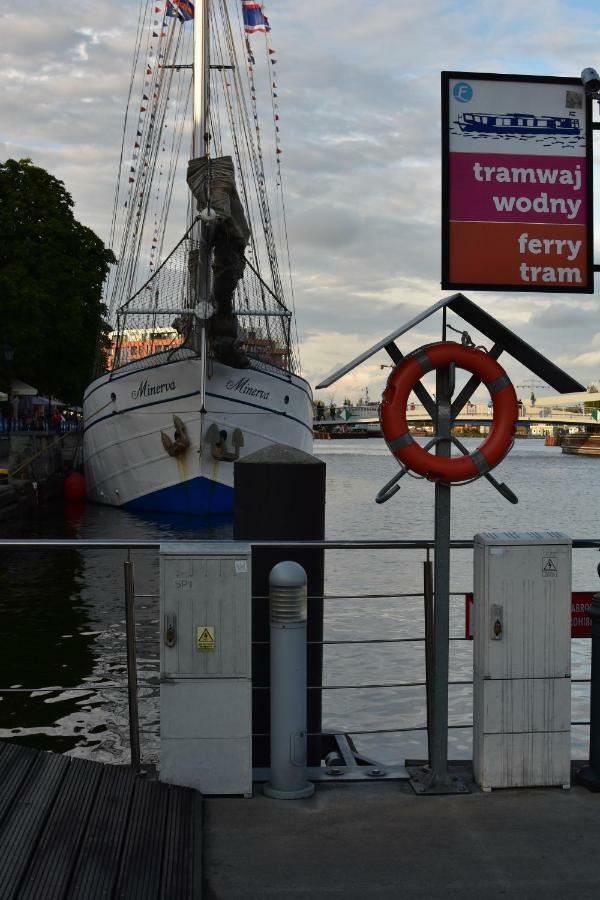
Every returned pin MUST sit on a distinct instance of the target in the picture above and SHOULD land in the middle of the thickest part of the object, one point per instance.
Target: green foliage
(52, 269)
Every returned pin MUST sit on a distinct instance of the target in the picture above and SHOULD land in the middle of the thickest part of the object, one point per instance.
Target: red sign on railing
(581, 624)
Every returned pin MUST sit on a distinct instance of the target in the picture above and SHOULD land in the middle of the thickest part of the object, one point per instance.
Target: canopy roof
(487, 325)
(20, 388)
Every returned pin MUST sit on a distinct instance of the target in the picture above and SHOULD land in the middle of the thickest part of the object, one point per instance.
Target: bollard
(589, 776)
(280, 495)
(287, 595)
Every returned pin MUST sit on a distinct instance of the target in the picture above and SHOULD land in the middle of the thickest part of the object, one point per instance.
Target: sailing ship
(203, 364)
(518, 124)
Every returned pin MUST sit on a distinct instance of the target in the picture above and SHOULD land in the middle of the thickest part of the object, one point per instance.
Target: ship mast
(200, 147)
(201, 139)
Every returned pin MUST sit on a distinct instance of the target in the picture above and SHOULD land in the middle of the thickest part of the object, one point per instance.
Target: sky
(359, 96)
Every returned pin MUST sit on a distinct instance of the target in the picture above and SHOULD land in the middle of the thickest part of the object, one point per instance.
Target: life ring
(392, 413)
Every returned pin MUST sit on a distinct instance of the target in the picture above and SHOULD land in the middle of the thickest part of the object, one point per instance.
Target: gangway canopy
(569, 399)
(507, 340)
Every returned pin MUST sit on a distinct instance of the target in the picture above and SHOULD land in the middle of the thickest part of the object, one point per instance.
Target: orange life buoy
(392, 413)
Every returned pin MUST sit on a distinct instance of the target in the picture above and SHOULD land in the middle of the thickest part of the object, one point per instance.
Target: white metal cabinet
(205, 683)
(522, 659)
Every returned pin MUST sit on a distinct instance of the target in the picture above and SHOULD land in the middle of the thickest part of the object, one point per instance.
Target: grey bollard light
(287, 595)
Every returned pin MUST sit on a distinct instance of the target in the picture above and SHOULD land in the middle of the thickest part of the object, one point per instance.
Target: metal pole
(287, 593)
(434, 779)
(441, 586)
(429, 646)
(589, 776)
(134, 729)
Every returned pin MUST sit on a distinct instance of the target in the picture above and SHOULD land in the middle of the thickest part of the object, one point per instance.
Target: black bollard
(589, 776)
(280, 495)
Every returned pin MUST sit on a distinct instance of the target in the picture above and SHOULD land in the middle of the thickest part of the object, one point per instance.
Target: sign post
(517, 183)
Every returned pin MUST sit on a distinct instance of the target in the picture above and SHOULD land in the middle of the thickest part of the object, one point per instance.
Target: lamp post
(8, 354)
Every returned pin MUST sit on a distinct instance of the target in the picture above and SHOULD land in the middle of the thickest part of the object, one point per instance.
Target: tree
(319, 409)
(52, 269)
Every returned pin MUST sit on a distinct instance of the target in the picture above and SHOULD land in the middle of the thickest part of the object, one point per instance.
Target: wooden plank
(55, 856)
(141, 863)
(24, 822)
(179, 850)
(15, 763)
(98, 864)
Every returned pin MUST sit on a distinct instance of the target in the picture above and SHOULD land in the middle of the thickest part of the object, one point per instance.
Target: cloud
(359, 97)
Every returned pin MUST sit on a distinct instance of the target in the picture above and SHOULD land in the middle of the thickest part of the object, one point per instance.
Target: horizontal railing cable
(125, 544)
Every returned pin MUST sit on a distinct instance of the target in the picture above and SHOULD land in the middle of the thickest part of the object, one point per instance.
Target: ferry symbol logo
(205, 638)
(462, 92)
(549, 567)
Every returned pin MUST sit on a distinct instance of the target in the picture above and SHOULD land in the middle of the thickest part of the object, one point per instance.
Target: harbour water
(63, 675)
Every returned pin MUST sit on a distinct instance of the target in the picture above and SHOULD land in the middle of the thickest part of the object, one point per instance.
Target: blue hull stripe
(196, 497)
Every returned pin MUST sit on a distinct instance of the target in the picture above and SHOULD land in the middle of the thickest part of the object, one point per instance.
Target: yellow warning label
(205, 638)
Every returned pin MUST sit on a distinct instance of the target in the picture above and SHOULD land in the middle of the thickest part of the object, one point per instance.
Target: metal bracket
(351, 766)
(500, 486)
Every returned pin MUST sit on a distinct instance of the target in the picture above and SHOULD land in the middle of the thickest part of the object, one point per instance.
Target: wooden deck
(71, 828)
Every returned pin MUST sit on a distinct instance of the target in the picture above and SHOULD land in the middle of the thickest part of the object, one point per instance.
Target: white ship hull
(125, 412)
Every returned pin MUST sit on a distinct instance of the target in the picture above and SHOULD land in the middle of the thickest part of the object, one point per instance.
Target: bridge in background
(478, 414)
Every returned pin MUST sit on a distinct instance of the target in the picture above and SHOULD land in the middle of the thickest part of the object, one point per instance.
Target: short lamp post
(8, 354)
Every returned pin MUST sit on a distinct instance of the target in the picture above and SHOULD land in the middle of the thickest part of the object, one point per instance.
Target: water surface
(62, 682)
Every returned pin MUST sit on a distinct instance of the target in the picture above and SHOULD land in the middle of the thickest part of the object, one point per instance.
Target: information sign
(516, 183)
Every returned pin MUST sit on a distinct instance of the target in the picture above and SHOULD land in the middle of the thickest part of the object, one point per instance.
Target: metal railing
(130, 596)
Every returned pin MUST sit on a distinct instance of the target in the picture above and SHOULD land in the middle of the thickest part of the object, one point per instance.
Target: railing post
(589, 776)
(134, 728)
(429, 646)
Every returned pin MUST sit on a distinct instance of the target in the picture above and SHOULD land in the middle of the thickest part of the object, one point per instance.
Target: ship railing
(131, 596)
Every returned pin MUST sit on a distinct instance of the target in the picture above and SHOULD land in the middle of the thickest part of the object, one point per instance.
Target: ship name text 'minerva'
(244, 386)
(152, 390)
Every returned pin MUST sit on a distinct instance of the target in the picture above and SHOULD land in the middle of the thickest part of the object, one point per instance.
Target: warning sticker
(549, 566)
(205, 638)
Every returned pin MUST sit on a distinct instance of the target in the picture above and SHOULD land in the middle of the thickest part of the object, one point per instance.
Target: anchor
(217, 438)
(181, 441)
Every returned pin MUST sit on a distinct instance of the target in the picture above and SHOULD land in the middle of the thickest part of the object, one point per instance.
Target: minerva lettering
(244, 386)
(152, 390)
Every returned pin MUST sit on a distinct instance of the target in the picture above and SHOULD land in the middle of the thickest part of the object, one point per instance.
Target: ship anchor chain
(177, 445)
(217, 438)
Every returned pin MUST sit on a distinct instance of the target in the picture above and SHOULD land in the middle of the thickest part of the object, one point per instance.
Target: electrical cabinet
(522, 659)
(205, 678)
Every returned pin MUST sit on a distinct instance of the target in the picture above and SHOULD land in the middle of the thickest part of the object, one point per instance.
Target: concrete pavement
(381, 840)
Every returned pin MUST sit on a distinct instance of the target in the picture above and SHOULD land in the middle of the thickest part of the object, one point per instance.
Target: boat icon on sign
(518, 124)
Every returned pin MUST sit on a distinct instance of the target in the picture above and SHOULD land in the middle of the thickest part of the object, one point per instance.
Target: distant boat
(518, 123)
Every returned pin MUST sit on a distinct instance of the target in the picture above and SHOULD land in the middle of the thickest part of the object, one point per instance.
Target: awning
(20, 388)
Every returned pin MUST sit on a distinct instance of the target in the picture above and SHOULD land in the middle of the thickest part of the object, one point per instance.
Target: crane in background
(532, 384)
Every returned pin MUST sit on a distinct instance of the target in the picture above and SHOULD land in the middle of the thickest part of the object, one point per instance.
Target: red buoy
(74, 486)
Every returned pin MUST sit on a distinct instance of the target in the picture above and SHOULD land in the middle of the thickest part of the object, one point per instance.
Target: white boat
(202, 367)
